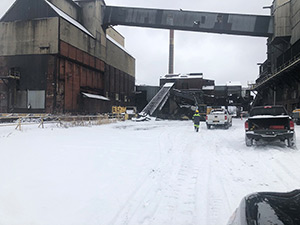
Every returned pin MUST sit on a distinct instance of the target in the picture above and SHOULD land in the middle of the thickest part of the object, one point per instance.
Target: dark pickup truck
(269, 123)
(268, 208)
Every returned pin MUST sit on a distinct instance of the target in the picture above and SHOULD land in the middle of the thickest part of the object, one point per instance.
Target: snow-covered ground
(135, 173)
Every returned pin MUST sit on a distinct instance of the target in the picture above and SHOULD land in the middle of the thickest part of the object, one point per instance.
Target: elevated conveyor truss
(159, 99)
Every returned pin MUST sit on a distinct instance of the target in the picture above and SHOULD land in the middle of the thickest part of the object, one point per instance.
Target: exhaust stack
(171, 53)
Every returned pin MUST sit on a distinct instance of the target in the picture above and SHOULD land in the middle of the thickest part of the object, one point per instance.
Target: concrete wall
(75, 37)
(29, 37)
(281, 12)
(92, 15)
(69, 7)
(92, 19)
(116, 36)
(295, 18)
(120, 59)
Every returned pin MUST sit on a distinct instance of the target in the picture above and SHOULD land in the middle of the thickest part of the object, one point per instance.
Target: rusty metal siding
(64, 49)
(60, 87)
(76, 88)
(68, 86)
(98, 64)
(112, 79)
(101, 81)
(50, 90)
(122, 82)
(85, 58)
(80, 72)
(107, 81)
(72, 52)
(117, 81)
(94, 79)
(77, 78)
(89, 79)
(92, 61)
(79, 55)
(83, 80)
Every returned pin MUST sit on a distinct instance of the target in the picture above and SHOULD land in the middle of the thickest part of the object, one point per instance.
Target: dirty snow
(135, 173)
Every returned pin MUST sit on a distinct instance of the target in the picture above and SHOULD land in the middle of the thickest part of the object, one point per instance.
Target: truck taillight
(246, 125)
(225, 117)
(206, 117)
(292, 125)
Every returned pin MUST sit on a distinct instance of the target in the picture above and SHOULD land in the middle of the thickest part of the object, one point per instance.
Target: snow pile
(154, 172)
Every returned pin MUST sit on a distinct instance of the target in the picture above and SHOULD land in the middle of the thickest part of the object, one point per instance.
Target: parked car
(269, 123)
(218, 118)
(296, 116)
(267, 208)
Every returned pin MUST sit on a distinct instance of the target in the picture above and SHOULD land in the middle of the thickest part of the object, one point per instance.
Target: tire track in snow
(192, 183)
(217, 194)
(179, 193)
(143, 203)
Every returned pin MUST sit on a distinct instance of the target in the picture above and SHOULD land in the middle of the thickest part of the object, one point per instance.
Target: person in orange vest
(196, 119)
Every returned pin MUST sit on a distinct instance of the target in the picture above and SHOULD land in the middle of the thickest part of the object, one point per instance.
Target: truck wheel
(290, 142)
(248, 141)
(208, 126)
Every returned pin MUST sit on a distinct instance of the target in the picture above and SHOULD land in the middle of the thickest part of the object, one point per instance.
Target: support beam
(222, 23)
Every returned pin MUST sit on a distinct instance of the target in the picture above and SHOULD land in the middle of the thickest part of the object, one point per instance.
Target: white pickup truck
(218, 118)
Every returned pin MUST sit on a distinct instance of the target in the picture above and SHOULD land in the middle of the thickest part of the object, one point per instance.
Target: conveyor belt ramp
(159, 99)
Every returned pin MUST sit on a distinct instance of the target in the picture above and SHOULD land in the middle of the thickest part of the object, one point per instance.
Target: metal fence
(20, 120)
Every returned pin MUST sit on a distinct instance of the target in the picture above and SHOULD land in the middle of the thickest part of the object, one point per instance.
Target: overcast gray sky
(219, 57)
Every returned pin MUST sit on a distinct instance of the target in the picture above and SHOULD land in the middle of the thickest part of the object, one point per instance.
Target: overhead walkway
(159, 100)
(211, 22)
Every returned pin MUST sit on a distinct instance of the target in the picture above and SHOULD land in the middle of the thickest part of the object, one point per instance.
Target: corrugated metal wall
(79, 71)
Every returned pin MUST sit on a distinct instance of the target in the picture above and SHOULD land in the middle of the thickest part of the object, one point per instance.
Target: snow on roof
(182, 76)
(235, 83)
(69, 19)
(268, 116)
(208, 87)
(95, 96)
(168, 84)
(117, 44)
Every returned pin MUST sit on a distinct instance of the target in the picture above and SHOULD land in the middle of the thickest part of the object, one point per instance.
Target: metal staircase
(159, 99)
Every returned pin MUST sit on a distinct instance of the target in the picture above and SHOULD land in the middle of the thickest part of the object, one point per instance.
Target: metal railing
(278, 70)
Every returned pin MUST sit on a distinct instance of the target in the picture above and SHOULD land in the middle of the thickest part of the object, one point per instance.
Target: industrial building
(179, 95)
(279, 78)
(63, 56)
(55, 57)
(278, 81)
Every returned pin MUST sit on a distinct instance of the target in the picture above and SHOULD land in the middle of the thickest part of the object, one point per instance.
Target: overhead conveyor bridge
(159, 100)
(222, 23)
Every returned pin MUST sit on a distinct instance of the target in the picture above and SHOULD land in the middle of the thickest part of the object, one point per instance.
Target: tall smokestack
(171, 53)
